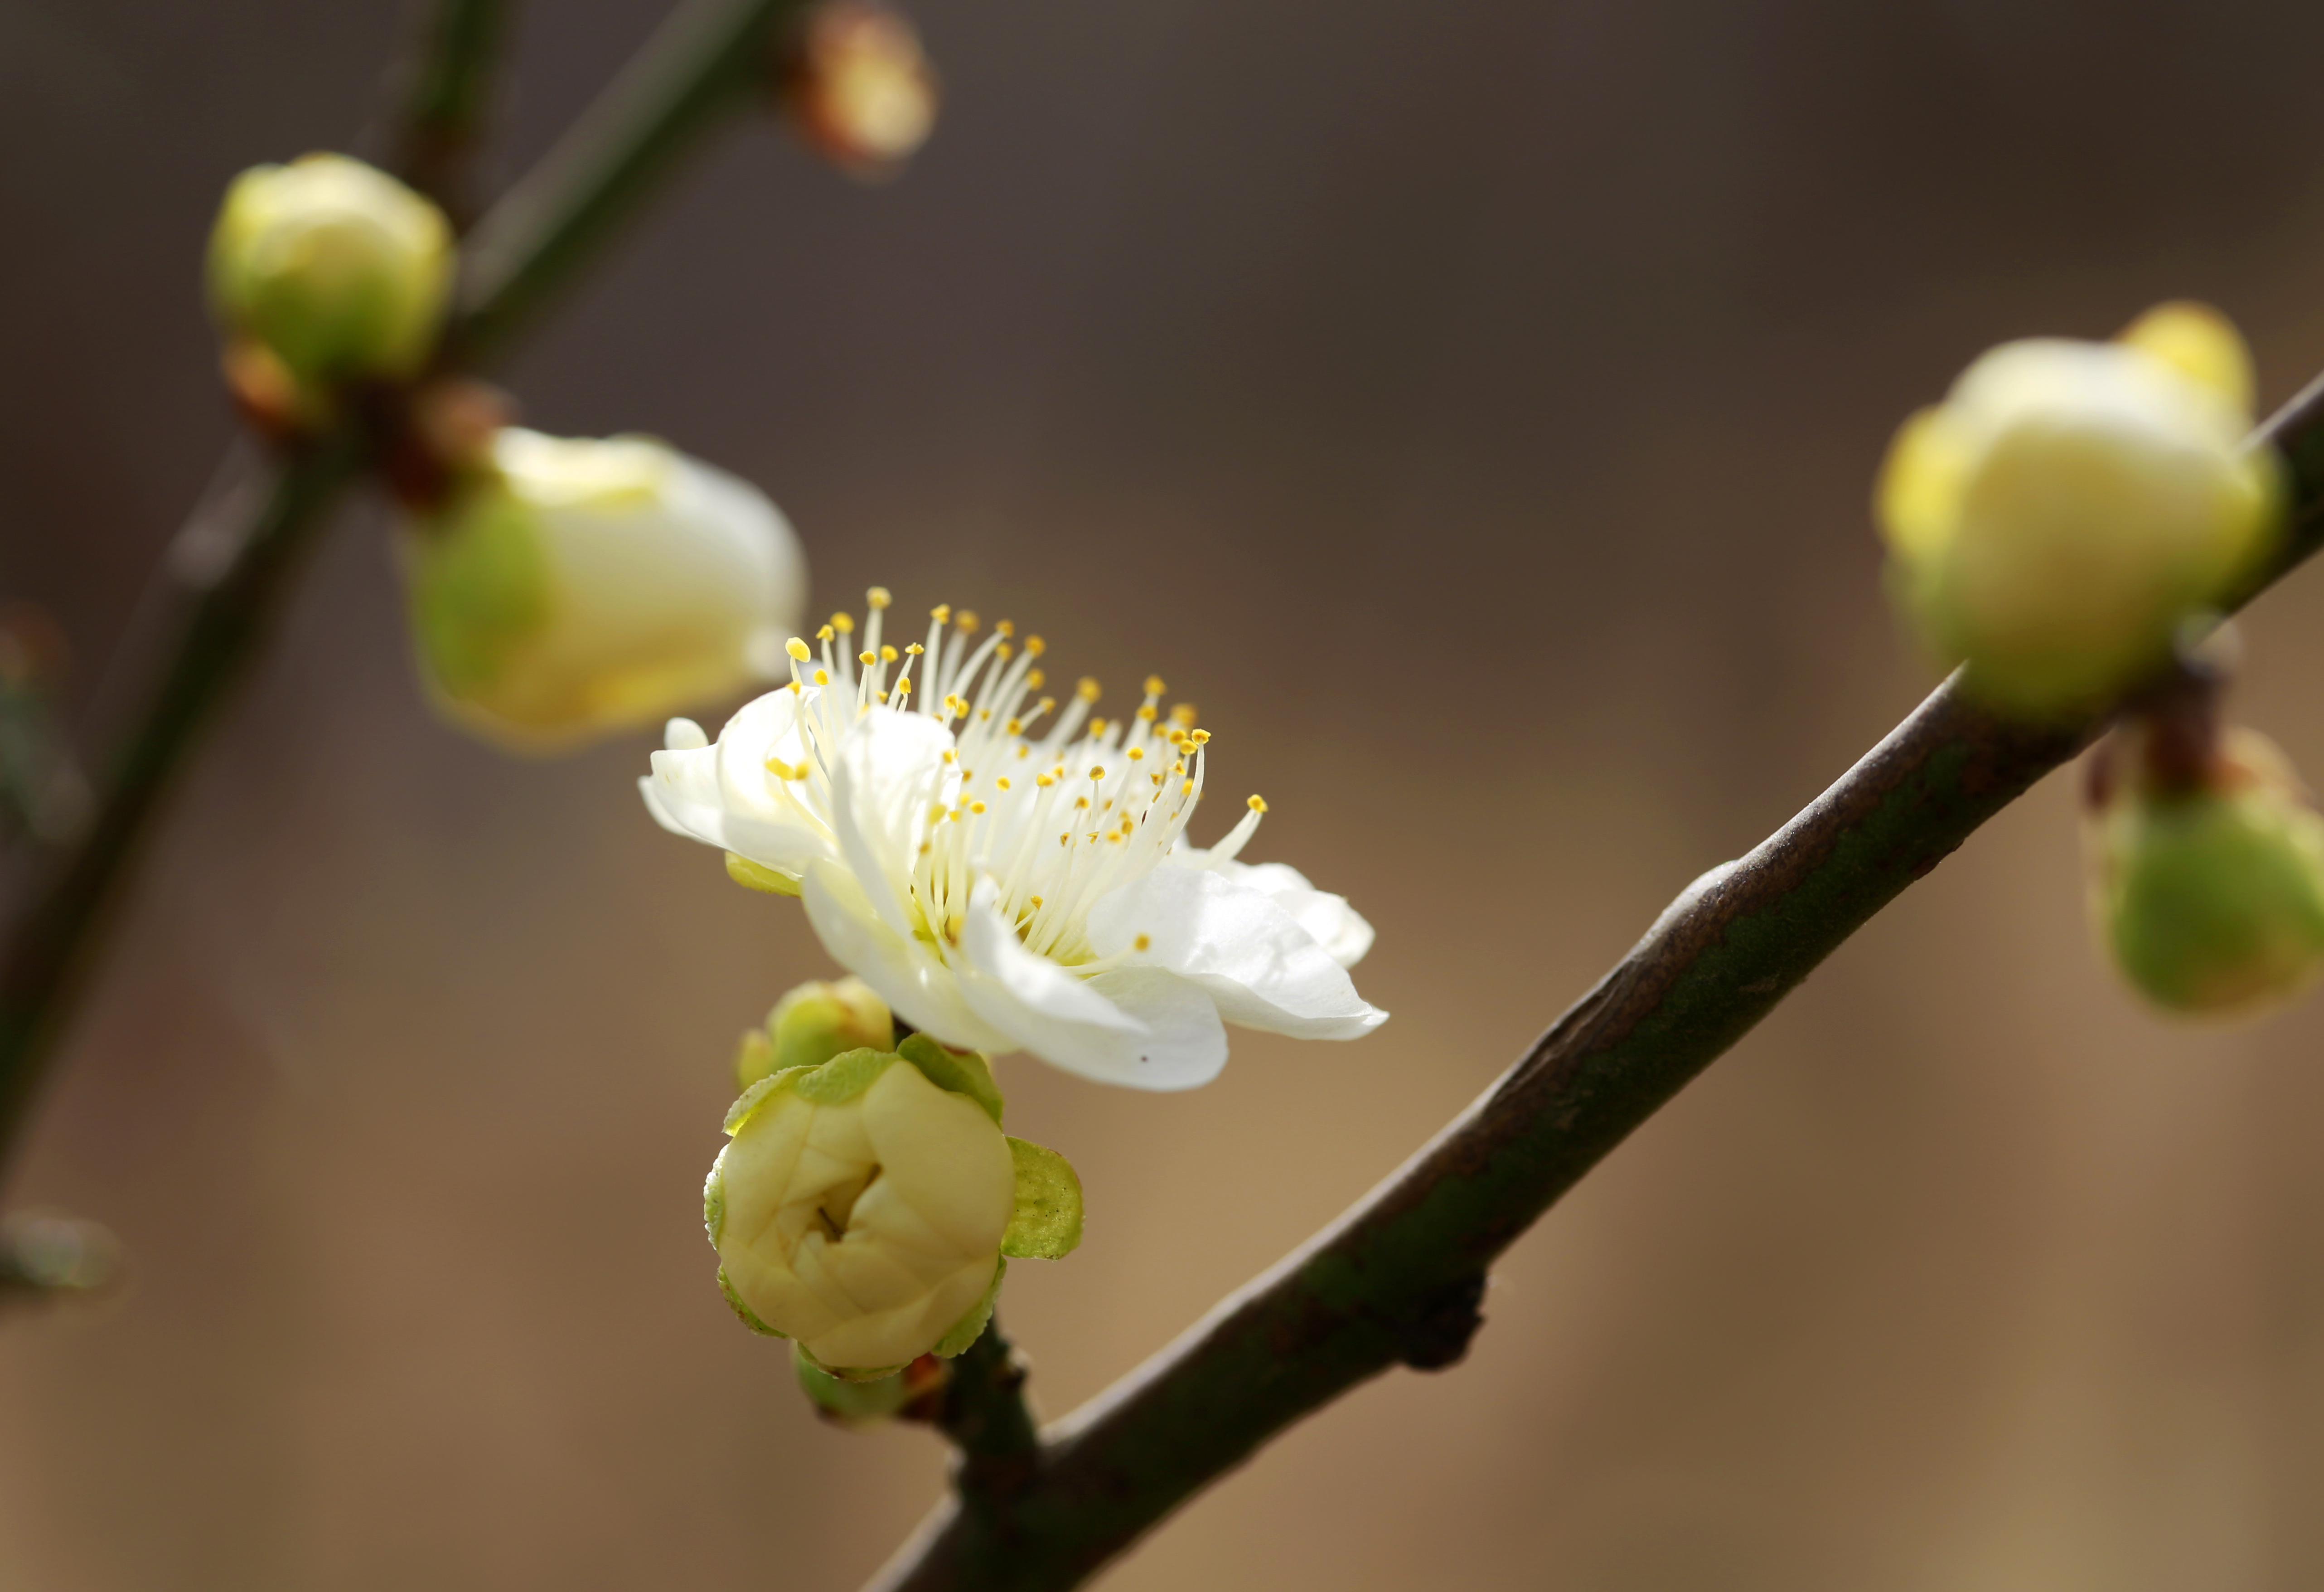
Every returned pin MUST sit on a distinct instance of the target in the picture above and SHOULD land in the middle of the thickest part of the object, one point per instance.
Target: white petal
(905, 973)
(1188, 1044)
(1336, 925)
(1251, 957)
(1041, 1006)
(889, 767)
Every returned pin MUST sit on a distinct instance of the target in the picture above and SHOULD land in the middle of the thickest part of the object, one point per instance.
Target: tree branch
(447, 97)
(1396, 1279)
(229, 571)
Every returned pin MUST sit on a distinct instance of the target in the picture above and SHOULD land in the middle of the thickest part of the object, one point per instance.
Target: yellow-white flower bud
(813, 1023)
(861, 85)
(2208, 891)
(2058, 517)
(339, 271)
(574, 587)
(861, 1209)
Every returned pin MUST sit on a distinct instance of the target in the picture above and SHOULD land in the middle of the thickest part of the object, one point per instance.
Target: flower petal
(888, 767)
(905, 973)
(1336, 925)
(1167, 1038)
(1250, 954)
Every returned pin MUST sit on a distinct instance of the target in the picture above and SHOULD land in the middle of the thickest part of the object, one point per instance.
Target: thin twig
(1396, 1279)
(230, 569)
(448, 97)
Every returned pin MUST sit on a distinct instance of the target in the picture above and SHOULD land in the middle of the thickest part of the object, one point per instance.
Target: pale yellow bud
(575, 587)
(861, 1209)
(338, 269)
(861, 85)
(817, 1022)
(2059, 517)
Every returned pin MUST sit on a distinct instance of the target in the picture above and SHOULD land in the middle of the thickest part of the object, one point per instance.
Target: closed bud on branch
(567, 588)
(865, 1207)
(2206, 874)
(2054, 521)
(813, 1023)
(860, 87)
(327, 270)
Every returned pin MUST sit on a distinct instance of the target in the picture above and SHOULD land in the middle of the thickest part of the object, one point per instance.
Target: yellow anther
(825, 633)
(1179, 767)
(1034, 646)
(877, 598)
(867, 659)
(1097, 771)
(976, 806)
(1137, 754)
(883, 696)
(1147, 711)
(941, 613)
(983, 714)
(1024, 751)
(1006, 628)
(1187, 789)
(795, 686)
(951, 928)
(1082, 802)
(843, 623)
(1064, 839)
(1015, 727)
(797, 649)
(1045, 703)
(1003, 781)
(1200, 737)
(1143, 942)
(952, 756)
(967, 621)
(1033, 900)
(887, 654)
(821, 678)
(1004, 651)
(1087, 689)
(1182, 714)
(937, 812)
(1154, 686)
(1158, 778)
(1043, 781)
(1035, 679)
(915, 649)
(904, 685)
(1259, 804)
(1110, 839)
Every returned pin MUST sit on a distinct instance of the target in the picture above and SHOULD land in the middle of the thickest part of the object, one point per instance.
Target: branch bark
(231, 570)
(1396, 1279)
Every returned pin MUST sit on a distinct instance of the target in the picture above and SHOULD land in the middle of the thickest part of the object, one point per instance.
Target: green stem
(712, 56)
(1396, 1279)
(448, 97)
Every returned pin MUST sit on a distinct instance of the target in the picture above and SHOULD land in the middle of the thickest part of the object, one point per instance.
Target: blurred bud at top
(2069, 504)
(52, 1256)
(331, 270)
(564, 589)
(860, 87)
(2207, 869)
(813, 1023)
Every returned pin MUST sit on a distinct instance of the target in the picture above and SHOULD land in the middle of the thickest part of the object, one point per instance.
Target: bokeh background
(1472, 405)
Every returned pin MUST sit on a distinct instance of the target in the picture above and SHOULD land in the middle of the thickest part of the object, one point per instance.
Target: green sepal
(757, 1095)
(714, 1200)
(964, 1072)
(841, 1079)
(855, 1374)
(850, 1402)
(747, 1316)
(971, 1327)
(753, 877)
(1047, 1223)
(481, 587)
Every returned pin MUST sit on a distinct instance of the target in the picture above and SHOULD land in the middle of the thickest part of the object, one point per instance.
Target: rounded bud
(2058, 517)
(567, 588)
(335, 269)
(813, 1023)
(861, 86)
(2208, 889)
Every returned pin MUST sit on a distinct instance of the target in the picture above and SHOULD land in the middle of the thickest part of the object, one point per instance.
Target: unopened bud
(813, 1023)
(2207, 884)
(574, 587)
(335, 269)
(865, 1207)
(2055, 521)
(861, 86)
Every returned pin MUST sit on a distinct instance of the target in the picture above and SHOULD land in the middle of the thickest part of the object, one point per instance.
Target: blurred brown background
(1472, 405)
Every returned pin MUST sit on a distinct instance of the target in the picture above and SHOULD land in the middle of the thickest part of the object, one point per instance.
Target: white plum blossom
(1007, 874)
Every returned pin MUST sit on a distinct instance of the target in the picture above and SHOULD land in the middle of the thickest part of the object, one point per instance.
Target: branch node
(1437, 1334)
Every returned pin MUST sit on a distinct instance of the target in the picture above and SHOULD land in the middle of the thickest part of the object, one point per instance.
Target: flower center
(1055, 806)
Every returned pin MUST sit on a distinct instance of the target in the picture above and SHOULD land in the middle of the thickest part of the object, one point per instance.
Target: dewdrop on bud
(2054, 521)
(336, 271)
(866, 1207)
(568, 588)
(813, 1023)
(860, 87)
(2207, 883)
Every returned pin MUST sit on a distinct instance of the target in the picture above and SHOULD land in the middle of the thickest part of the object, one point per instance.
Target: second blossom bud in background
(860, 87)
(566, 588)
(2055, 520)
(324, 271)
